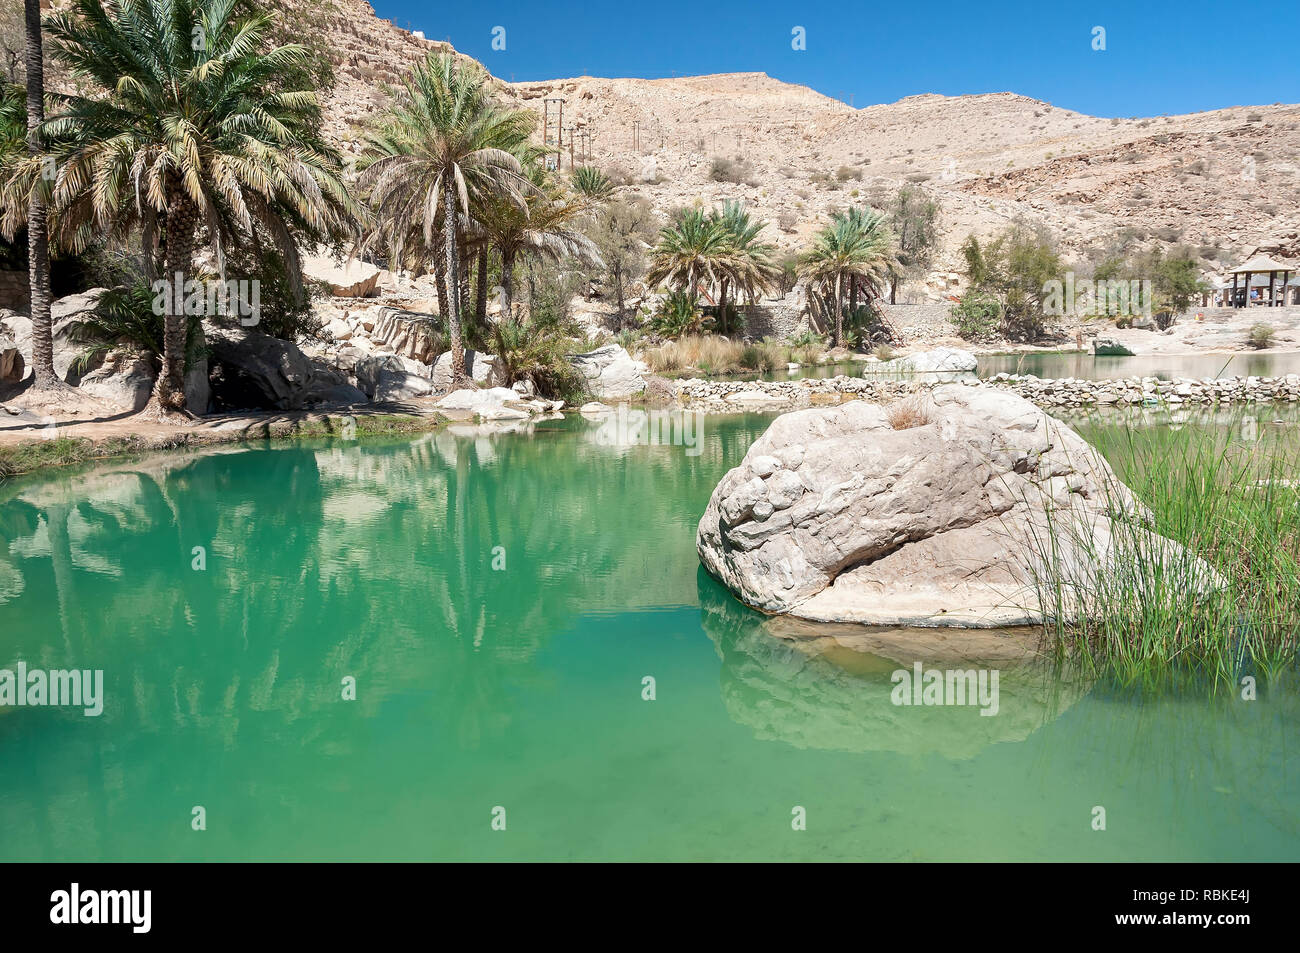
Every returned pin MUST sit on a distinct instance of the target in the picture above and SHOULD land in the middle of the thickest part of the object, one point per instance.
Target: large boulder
(482, 368)
(66, 316)
(392, 377)
(12, 366)
(1110, 347)
(346, 279)
(124, 380)
(254, 370)
(490, 403)
(941, 360)
(611, 372)
(834, 515)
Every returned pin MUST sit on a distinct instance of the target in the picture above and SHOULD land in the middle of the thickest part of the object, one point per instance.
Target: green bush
(977, 316)
(678, 314)
(1260, 337)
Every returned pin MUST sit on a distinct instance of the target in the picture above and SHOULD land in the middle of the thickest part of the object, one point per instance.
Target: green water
(1086, 366)
(521, 687)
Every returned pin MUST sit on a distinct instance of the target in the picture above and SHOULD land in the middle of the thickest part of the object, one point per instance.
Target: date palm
(751, 268)
(692, 252)
(38, 245)
(857, 246)
(199, 123)
(443, 147)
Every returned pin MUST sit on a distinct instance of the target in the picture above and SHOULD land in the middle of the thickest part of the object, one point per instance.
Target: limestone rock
(346, 279)
(835, 516)
(12, 367)
(124, 380)
(941, 360)
(392, 377)
(480, 367)
(611, 372)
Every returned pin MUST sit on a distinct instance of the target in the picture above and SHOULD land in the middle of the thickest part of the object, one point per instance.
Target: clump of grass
(1260, 336)
(883, 352)
(908, 413)
(1236, 506)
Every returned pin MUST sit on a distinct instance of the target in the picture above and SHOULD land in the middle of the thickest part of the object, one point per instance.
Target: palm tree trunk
(722, 307)
(182, 219)
(839, 313)
(480, 301)
(853, 295)
(507, 284)
(451, 271)
(38, 244)
(440, 284)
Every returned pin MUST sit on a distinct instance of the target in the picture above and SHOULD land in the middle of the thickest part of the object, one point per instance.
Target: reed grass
(1231, 502)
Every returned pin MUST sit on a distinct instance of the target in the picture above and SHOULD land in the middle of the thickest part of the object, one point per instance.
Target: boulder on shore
(941, 360)
(611, 372)
(835, 516)
(124, 380)
(1110, 347)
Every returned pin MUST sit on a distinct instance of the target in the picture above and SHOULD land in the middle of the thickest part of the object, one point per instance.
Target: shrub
(538, 354)
(678, 314)
(1260, 336)
(723, 169)
(976, 316)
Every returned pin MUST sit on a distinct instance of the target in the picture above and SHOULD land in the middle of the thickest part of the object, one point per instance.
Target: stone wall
(776, 317)
(733, 396)
(15, 290)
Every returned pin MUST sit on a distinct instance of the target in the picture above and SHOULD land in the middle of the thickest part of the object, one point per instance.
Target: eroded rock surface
(836, 516)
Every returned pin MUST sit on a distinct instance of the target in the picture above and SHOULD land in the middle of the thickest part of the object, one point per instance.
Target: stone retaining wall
(720, 396)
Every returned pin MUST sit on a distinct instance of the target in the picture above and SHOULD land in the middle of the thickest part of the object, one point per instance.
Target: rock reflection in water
(829, 686)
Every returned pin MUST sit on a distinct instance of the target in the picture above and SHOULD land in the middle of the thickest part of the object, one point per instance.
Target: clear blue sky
(1161, 56)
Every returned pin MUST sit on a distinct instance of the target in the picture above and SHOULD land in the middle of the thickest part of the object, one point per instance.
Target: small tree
(622, 232)
(914, 216)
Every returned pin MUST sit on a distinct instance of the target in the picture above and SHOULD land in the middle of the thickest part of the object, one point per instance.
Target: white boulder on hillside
(346, 279)
(611, 372)
(836, 516)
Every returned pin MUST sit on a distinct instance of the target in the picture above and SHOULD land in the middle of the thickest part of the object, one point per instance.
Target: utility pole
(558, 139)
(572, 130)
(636, 135)
(586, 145)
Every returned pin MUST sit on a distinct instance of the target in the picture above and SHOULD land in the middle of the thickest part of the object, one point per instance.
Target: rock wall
(15, 290)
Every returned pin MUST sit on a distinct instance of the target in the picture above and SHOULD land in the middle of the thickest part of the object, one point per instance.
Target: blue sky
(1161, 56)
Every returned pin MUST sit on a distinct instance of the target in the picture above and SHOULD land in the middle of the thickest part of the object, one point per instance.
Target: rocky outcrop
(391, 377)
(482, 368)
(835, 515)
(408, 333)
(346, 279)
(611, 373)
(124, 380)
(254, 370)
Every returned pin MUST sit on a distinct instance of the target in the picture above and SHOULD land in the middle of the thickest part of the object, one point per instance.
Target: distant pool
(1086, 366)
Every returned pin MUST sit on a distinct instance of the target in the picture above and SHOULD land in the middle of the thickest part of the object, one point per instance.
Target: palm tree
(857, 246)
(592, 184)
(692, 251)
(752, 269)
(38, 244)
(544, 225)
(442, 146)
(200, 125)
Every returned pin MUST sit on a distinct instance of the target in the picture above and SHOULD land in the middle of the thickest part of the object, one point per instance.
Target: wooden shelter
(1259, 265)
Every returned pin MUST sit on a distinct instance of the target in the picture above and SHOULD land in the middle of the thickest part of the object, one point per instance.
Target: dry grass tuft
(908, 413)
